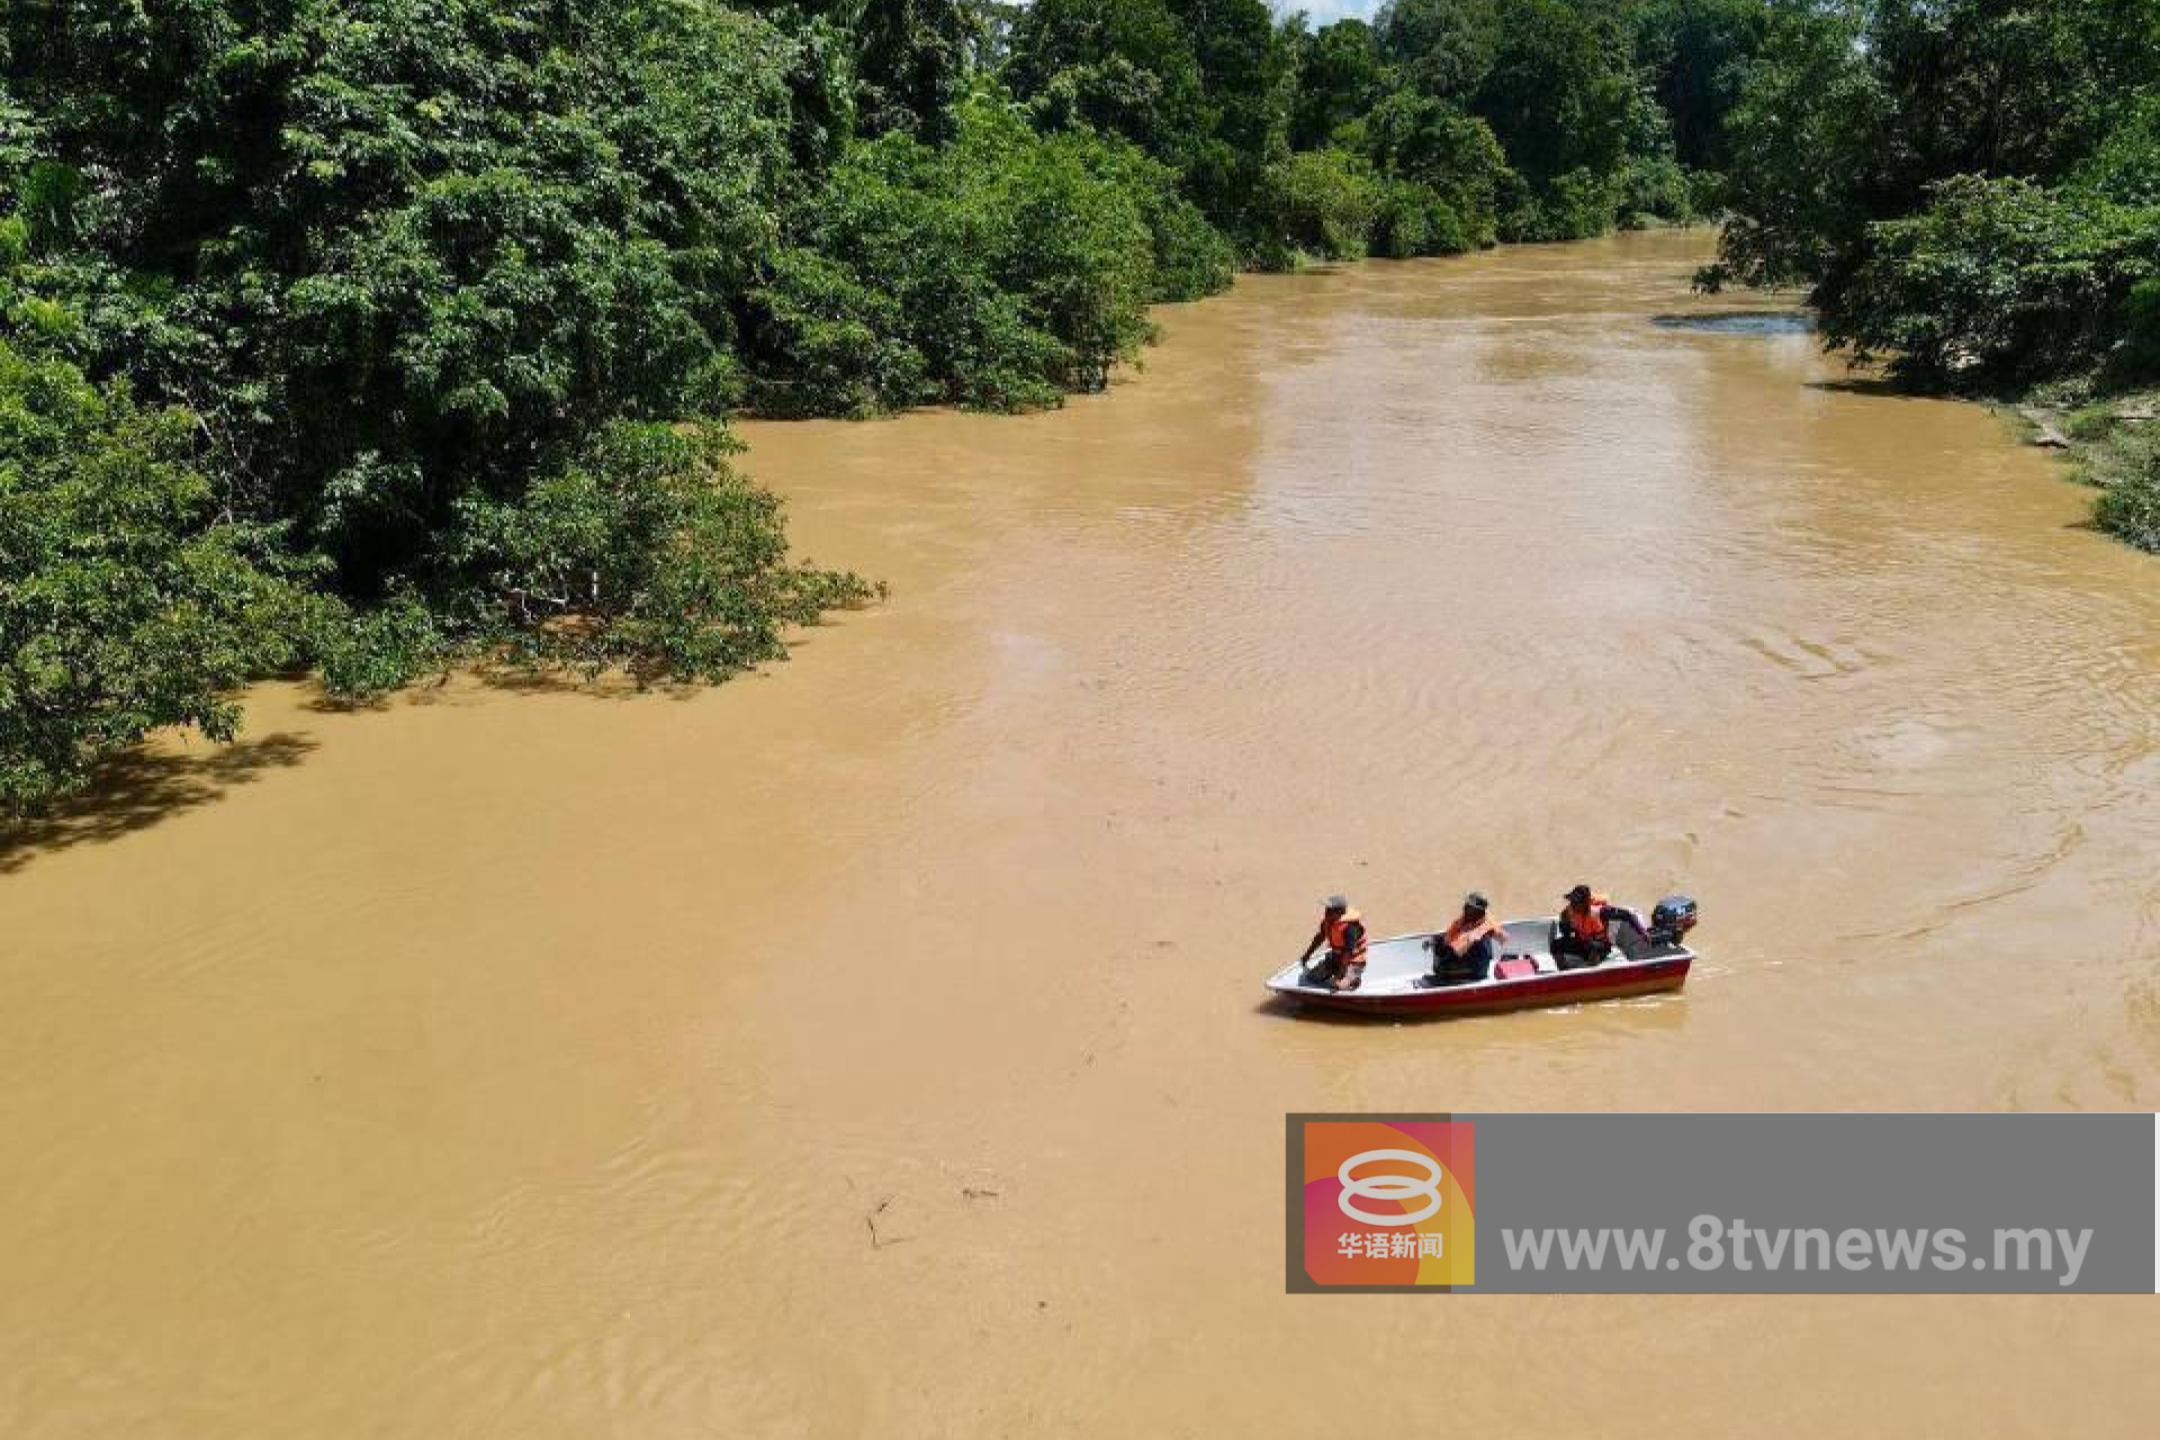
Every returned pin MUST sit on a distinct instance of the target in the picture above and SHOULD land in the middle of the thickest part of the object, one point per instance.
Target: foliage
(1556, 96)
(642, 550)
(1578, 142)
(1322, 203)
(1124, 67)
(1415, 219)
(2124, 460)
(1245, 69)
(1855, 113)
(1695, 54)
(1998, 282)
(998, 271)
(910, 61)
(400, 261)
(1655, 187)
(1340, 76)
(1444, 47)
(398, 255)
(127, 601)
(1432, 144)
(1798, 145)
(2130, 507)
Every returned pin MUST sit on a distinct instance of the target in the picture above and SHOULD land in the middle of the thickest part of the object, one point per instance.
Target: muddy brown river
(875, 1045)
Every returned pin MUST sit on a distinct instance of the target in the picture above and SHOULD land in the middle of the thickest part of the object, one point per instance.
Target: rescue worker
(1465, 951)
(1582, 935)
(1343, 933)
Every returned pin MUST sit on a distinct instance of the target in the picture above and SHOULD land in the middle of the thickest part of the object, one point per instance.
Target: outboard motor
(1672, 919)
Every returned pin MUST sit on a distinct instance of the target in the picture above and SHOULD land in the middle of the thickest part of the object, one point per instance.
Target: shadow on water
(1739, 322)
(133, 791)
(1873, 386)
(605, 682)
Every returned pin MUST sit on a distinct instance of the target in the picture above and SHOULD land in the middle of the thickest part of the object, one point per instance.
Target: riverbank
(2112, 444)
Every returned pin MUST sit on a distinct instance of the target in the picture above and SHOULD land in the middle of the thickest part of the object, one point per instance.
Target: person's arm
(1313, 944)
(1353, 936)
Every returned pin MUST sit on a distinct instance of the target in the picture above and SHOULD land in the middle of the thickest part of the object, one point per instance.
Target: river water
(875, 1045)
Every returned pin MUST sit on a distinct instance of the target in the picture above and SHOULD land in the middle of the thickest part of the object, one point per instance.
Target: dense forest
(359, 336)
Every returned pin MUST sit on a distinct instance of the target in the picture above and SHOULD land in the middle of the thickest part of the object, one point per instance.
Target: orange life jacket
(1338, 939)
(1590, 926)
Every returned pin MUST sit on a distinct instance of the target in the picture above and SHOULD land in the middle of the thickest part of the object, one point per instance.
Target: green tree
(1321, 203)
(999, 271)
(1245, 69)
(1557, 96)
(641, 550)
(2129, 507)
(1444, 47)
(1340, 76)
(1125, 67)
(911, 59)
(1853, 112)
(1202, 85)
(1998, 282)
(1456, 156)
(1804, 145)
(1988, 87)
(1696, 54)
(127, 600)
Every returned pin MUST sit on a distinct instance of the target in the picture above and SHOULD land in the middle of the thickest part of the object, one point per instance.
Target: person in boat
(1464, 951)
(1583, 934)
(1343, 933)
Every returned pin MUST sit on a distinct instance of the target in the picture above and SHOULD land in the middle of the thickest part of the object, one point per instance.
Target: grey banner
(1785, 1203)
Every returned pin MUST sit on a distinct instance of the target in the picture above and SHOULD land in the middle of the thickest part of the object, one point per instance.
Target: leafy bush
(1655, 188)
(2125, 167)
(1321, 203)
(1456, 156)
(2131, 511)
(999, 271)
(1192, 259)
(127, 602)
(1573, 206)
(1968, 187)
(2128, 466)
(644, 550)
(1998, 282)
(1414, 220)
(833, 342)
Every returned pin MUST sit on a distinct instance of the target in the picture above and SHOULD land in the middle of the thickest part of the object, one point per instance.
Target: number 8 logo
(1390, 1187)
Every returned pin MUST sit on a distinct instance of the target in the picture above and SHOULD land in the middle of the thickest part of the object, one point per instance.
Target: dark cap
(1476, 900)
(1580, 895)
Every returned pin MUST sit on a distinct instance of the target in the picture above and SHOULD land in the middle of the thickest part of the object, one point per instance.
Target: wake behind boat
(1398, 975)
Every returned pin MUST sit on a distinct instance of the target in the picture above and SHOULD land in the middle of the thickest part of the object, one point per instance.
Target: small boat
(1398, 972)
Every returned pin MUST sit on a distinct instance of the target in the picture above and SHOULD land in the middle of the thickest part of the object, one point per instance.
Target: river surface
(875, 1045)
